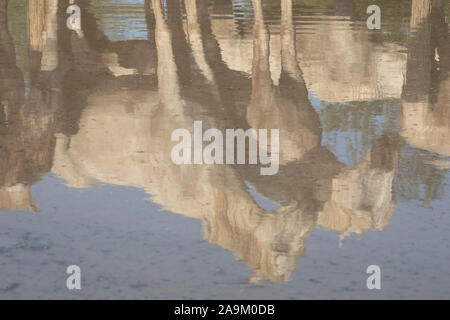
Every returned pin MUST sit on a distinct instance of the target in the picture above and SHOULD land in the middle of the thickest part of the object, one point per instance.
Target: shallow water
(86, 176)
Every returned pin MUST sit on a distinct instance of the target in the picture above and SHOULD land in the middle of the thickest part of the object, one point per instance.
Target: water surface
(86, 176)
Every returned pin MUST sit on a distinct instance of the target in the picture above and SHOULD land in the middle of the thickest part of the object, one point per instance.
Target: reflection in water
(102, 112)
(27, 140)
(425, 116)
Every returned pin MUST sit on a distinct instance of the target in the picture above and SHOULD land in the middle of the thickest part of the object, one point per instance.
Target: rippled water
(86, 176)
